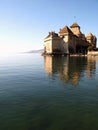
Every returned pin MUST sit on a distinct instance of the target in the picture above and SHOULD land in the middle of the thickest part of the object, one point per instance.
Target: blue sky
(25, 23)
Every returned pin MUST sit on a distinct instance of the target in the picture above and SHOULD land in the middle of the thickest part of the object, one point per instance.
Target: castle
(69, 41)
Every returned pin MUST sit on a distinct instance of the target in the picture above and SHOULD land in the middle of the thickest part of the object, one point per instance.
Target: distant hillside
(36, 51)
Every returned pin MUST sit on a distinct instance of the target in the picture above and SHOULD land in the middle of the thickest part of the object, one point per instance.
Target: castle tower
(91, 39)
(75, 28)
(51, 43)
(65, 33)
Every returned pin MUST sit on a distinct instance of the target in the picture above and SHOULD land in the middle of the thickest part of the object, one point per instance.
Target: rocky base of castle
(54, 54)
(63, 54)
(92, 53)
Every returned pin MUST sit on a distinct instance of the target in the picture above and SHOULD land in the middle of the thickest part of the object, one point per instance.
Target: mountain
(36, 51)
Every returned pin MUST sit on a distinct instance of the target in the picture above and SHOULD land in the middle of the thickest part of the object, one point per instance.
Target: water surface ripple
(48, 93)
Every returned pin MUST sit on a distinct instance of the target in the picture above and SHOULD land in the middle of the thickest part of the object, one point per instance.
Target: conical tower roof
(74, 25)
(90, 35)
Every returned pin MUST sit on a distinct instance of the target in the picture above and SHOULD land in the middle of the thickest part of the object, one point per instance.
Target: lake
(48, 93)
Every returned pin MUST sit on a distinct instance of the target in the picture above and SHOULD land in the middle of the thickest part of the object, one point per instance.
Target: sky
(25, 23)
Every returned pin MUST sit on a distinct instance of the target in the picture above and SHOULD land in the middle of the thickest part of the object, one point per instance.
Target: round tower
(75, 28)
(91, 39)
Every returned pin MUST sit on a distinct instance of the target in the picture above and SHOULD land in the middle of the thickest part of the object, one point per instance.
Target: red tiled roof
(65, 30)
(90, 35)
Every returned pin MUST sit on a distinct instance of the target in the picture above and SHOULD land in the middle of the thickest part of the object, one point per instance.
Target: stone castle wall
(68, 41)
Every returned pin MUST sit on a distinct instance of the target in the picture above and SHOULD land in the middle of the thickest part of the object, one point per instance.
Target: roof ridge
(65, 29)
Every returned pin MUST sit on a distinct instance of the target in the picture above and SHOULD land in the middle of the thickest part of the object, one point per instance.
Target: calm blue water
(48, 93)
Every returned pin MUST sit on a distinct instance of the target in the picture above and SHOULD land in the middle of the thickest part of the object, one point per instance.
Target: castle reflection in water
(70, 69)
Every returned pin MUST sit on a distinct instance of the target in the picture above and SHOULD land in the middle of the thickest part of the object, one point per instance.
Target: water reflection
(91, 66)
(70, 69)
